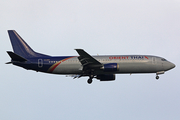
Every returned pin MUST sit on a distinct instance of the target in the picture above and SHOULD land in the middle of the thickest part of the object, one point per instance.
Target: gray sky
(101, 27)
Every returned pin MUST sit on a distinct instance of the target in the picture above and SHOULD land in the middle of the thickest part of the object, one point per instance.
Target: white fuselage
(127, 64)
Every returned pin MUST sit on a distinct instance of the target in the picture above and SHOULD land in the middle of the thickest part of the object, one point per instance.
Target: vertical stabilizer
(20, 47)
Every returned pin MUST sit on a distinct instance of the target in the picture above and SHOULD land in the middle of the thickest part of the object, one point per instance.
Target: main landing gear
(157, 77)
(89, 81)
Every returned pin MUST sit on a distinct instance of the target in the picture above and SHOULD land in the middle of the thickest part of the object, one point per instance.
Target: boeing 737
(103, 68)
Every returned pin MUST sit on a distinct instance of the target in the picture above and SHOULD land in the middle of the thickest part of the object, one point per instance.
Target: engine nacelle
(110, 77)
(111, 67)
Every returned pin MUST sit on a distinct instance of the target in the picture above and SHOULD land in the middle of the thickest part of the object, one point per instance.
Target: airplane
(102, 68)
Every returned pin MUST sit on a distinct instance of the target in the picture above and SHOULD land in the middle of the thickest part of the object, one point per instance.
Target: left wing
(87, 61)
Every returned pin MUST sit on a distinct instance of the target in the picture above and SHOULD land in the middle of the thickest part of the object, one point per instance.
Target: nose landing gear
(157, 77)
(158, 73)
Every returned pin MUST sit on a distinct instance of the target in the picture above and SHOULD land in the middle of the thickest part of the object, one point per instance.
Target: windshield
(163, 59)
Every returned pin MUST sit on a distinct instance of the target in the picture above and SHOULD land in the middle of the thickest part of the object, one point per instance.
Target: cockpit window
(163, 59)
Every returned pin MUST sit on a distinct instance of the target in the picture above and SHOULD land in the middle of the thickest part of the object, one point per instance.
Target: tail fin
(20, 47)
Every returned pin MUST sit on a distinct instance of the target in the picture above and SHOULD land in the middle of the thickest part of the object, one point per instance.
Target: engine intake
(110, 77)
(111, 67)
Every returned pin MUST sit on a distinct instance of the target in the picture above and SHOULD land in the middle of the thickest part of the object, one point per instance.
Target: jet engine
(111, 67)
(109, 77)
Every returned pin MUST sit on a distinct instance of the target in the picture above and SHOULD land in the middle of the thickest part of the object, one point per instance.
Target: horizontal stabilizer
(16, 57)
(8, 63)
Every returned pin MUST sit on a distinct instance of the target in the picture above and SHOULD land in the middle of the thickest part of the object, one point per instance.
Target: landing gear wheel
(89, 81)
(157, 77)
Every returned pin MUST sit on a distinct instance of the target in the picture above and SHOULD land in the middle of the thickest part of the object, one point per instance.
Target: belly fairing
(68, 69)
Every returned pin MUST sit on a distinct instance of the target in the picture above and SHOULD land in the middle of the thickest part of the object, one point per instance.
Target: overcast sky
(104, 27)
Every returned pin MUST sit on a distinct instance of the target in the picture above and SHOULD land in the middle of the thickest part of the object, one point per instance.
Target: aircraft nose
(169, 66)
(173, 65)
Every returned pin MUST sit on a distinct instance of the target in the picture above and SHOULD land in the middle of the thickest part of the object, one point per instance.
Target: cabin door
(153, 60)
(40, 63)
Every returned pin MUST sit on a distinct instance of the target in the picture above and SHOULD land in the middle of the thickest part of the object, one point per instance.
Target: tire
(157, 77)
(89, 81)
